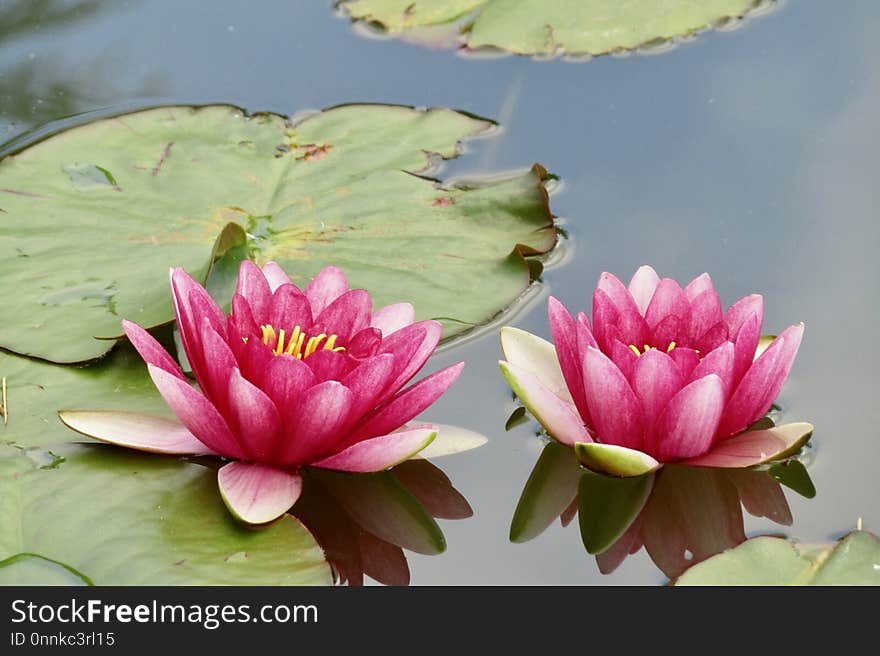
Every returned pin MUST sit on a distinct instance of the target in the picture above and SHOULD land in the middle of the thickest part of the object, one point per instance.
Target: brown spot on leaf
(165, 155)
(313, 151)
(443, 201)
(410, 10)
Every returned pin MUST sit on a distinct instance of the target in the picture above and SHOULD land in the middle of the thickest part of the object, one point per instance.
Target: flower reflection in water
(365, 521)
(680, 515)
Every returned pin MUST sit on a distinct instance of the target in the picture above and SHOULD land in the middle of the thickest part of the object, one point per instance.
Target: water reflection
(38, 84)
(365, 521)
(679, 515)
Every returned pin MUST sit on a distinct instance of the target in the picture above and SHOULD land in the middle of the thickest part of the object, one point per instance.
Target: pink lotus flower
(663, 375)
(290, 378)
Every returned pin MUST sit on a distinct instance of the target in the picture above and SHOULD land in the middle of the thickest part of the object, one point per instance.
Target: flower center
(297, 345)
(635, 349)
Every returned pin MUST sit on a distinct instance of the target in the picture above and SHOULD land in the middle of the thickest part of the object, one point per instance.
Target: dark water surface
(751, 154)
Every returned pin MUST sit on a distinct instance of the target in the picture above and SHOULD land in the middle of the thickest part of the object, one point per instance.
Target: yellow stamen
(297, 352)
(647, 348)
(670, 347)
(635, 350)
(294, 338)
(244, 339)
(280, 345)
(314, 344)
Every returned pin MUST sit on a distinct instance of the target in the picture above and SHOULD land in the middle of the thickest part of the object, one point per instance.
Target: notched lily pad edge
(467, 20)
(528, 256)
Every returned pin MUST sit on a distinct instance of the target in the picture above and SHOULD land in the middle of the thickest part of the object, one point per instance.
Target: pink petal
(366, 343)
(150, 350)
(686, 359)
(254, 287)
(275, 276)
(185, 292)
(409, 366)
(617, 293)
(197, 413)
(562, 327)
(617, 413)
(746, 343)
(688, 424)
(346, 315)
(714, 337)
(242, 319)
(289, 308)
(409, 403)
(655, 379)
(393, 317)
(254, 417)
(642, 286)
(557, 416)
(380, 453)
(135, 431)
(326, 287)
(756, 447)
(761, 385)
(328, 365)
(605, 316)
(217, 361)
(257, 494)
(718, 362)
(672, 328)
(314, 423)
(744, 308)
(698, 286)
(669, 301)
(536, 355)
(285, 379)
(705, 313)
(623, 357)
(367, 383)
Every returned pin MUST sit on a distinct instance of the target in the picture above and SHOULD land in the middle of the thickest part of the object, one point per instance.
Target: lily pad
(122, 518)
(774, 561)
(36, 390)
(538, 27)
(342, 186)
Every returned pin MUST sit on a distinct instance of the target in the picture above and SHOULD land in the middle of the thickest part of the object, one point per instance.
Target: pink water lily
(290, 378)
(663, 374)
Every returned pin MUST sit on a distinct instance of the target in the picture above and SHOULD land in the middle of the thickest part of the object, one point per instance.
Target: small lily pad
(853, 560)
(538, 27)
(794, 475)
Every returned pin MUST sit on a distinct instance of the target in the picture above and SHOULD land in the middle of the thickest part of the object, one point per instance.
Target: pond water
(751, 154)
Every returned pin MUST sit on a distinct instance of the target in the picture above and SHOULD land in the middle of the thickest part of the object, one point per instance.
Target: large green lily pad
(854, 560)
(538, 27)
(113, 517)
(36, 391)
(92, 218)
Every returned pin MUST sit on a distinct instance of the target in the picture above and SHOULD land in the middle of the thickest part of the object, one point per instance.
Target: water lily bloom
(663, 374)
(290, 378)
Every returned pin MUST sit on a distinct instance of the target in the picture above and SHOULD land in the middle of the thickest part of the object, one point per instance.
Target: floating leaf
(122, 518)
(336, 187)
(37, 390)
(538, 27)
(774, 561)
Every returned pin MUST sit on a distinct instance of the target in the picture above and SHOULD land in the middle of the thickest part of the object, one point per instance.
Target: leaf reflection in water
(365, 521)
(680, 515)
